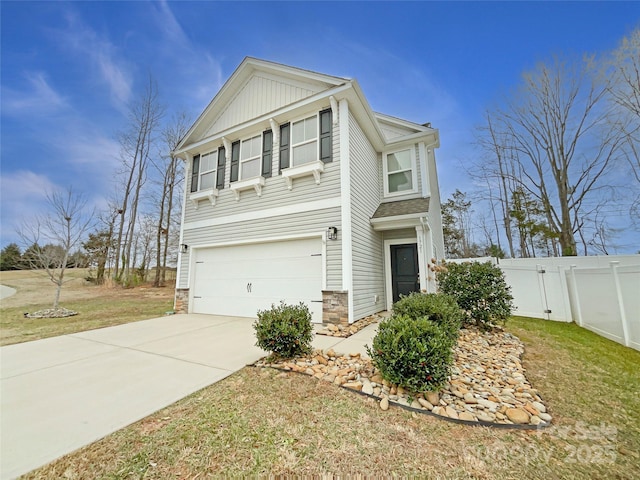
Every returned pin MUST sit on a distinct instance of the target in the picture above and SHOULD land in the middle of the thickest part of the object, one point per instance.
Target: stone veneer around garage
(335, 307)
(181, 302)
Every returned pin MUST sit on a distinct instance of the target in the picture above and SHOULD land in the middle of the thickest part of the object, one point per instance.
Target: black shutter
(325, 136)
(195, 170)
(284, 146)
(235, 160)
(222, 161)
(267, 147)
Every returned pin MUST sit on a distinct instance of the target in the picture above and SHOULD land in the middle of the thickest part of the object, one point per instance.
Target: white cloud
(101, 54)
(39, 98)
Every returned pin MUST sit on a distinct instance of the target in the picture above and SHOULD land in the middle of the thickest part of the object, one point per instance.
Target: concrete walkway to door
(61, 393)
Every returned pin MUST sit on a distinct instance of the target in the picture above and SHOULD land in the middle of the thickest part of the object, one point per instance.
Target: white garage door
(243, 279)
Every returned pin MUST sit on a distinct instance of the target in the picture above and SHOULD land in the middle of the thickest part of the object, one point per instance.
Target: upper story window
(251, 157)
(400, 172)
(207, 171)
(250, 151)
(305, 141)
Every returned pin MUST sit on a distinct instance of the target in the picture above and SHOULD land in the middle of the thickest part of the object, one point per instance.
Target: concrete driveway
(61, 393)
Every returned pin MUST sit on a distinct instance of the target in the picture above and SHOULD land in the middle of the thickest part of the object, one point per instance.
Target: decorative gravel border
(487, 386)
(344, 331)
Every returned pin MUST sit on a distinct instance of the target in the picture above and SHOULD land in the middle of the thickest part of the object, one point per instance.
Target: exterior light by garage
(332, 233)
(184, 247)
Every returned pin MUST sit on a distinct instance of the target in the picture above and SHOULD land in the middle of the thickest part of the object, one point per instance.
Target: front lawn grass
(262, 422)
(113, 307)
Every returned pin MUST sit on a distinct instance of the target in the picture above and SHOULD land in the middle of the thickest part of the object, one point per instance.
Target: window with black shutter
(284, 146)
(325, 136)
(222, 160)
(195, 170)
(267, 148)
(235, 160)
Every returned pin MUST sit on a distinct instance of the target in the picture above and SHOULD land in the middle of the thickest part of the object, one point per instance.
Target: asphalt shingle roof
(402, 207)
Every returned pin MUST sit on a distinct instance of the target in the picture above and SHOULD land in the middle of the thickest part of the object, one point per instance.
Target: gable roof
(252, 77)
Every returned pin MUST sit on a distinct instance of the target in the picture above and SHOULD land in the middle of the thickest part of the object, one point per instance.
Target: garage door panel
(240, 280)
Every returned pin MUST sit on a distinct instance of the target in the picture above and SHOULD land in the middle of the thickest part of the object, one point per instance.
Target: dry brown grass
(262, 422)
(98, 306)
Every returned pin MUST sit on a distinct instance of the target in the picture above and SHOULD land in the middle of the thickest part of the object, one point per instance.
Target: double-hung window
(208, 166)
(400, 172)
(250, 155)
(203, 171)
(304, 141)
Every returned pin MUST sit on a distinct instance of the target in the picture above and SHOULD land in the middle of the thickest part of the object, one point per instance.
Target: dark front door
(405, 277)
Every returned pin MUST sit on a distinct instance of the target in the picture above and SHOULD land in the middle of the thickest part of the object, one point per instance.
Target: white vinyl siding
(299, 224)
(260, 95)
(275, 194)
(367, 244)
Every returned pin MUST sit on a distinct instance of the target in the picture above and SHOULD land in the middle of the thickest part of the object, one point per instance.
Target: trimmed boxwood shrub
(284, 330)
(414, 353)
(439, 308)
(480, 290)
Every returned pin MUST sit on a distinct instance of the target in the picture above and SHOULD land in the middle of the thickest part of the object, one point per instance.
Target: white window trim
(259, 157)
(201, 173)
(314, 168)
(315, 139)
(414, 172)
(255, 183)
(211, 194)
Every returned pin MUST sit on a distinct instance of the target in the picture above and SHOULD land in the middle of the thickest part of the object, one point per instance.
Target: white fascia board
(431, 138)
(401, 122)
(279, 116)
(397, 222)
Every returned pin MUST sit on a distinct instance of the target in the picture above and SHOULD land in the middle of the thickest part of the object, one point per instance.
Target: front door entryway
(405, 276)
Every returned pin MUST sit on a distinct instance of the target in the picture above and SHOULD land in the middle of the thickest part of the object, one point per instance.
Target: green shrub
(437, 307)
(285, 330)
(414, 353)
(480, 290)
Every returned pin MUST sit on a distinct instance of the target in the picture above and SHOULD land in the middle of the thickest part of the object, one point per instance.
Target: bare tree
(63, 228)
(623, 70)
(168, 167)
(557, 127)
(135, 144)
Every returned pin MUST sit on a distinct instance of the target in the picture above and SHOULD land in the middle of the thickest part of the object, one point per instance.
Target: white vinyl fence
(600, 293)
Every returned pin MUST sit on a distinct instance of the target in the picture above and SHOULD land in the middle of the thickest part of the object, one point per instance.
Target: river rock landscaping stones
(344, 331)
(51, 313)
(487, 382)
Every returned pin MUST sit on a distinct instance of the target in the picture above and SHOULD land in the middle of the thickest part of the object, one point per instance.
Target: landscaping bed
(487, 383)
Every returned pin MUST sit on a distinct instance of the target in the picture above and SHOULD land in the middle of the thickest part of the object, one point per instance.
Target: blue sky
(69, 70)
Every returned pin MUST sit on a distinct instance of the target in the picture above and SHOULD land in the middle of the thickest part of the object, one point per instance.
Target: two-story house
(297, 191)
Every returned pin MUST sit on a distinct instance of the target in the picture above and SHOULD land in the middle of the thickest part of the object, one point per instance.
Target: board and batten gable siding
(367, 244)
(419, 174)
(265, 229)
(260, 95)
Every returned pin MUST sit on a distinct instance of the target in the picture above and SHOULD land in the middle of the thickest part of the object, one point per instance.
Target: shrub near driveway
(285, 330)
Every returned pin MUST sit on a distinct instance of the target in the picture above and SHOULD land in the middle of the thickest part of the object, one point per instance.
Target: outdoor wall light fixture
(184, 247)
(332, 233)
